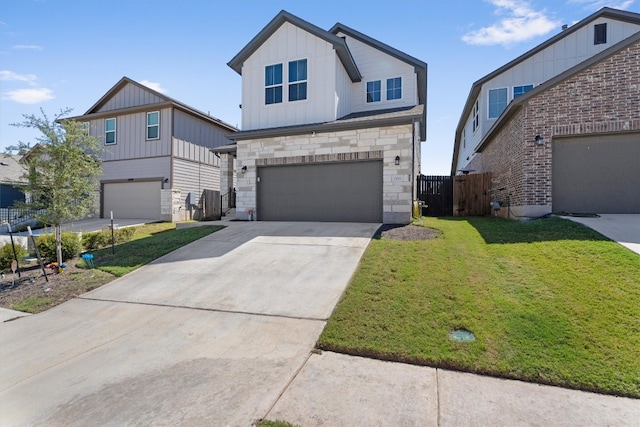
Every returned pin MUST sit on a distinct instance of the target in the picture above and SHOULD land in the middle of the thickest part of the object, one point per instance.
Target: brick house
(331, 126)
(567, 140)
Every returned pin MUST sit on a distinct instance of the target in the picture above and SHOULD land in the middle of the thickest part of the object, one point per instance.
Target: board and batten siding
(289, 43)
(377, 65)
(343, 101)
(196, 153)
(157, 167)
(131, 136)
(186, 127)
(194, 177)
(557, 58)
(130, 96)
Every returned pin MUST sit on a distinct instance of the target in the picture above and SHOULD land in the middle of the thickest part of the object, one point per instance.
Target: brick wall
(381, 143)
(604, 98)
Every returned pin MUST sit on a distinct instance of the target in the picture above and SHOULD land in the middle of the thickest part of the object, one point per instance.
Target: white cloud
(7, 75)
(599, 4)
(26, 47)
(153, 85)
(30, 96)
(520, 22)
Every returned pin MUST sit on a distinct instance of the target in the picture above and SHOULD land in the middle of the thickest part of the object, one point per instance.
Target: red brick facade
(602, 99)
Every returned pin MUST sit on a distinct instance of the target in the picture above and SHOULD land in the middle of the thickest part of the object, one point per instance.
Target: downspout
(413, 162)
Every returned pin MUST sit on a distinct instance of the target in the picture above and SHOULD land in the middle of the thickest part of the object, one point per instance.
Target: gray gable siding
(130, 96)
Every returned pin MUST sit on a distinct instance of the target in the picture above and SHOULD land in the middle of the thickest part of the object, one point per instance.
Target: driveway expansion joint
(214, 310)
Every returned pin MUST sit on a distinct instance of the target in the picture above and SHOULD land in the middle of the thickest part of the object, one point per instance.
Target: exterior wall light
(244, 169)
(539, 140)
(397, 160)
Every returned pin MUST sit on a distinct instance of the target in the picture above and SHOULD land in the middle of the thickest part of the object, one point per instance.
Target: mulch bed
(407, 232)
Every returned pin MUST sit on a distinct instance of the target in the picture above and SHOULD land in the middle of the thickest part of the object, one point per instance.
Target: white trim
(149, 126)
(506, 88)
(115, 129)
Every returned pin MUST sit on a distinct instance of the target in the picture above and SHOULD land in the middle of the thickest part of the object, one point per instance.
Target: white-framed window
(153, 125)
(497, 102)
(273, 84)
(600, 33)
(464, 138)
(394, 88)
(373, 91)
(110, 131)
(520, 90)
(476, 116)
(86, 127)
(297, 80)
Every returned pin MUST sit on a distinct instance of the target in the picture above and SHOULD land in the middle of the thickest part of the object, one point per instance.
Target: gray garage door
(597, 174)
(132, 199)
(340, 192)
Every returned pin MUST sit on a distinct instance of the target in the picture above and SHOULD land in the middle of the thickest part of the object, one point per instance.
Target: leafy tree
(62, 171)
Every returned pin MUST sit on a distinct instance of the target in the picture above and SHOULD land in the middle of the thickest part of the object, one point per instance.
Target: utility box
(191, 199)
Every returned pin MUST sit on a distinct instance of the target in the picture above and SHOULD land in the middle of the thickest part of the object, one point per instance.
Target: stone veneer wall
(382, 142)
(171, 206)
(604, 98)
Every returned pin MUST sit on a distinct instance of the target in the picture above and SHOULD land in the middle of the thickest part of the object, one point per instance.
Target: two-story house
(331, 125)
(157, 158)
(559, 126)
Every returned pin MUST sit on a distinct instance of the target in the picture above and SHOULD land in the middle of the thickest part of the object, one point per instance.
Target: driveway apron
(210, 334)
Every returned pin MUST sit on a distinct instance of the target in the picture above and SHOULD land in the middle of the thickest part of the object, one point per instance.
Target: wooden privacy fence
(436, 193)
(471, 195)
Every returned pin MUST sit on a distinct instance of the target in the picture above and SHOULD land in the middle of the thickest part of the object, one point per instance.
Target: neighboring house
(331, 125)
(559, 127)
(157, 158)
(11, 174)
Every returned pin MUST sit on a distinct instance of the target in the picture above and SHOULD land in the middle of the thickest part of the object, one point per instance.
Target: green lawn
(149, 242)
(549, 301)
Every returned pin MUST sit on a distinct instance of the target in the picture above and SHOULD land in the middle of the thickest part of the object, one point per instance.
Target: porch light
(397, 160)
(244, 169)
(539, 140)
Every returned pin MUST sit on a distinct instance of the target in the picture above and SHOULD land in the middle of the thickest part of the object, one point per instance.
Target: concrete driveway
(208, 335)
(622, 228)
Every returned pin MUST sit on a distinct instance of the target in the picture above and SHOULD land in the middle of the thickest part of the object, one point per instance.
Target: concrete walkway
(221, 332)
(621, 228)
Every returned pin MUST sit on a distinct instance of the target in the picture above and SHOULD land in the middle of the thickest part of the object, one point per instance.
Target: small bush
(47, 245)
(101, 239)
(6, 255)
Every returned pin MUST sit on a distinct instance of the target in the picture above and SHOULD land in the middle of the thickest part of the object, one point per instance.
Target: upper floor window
(497, 102)
(153, 125)
(476, 116)
(600, 33)
(394, 88)
(298, 78)
(273, 84)
(373, 91)
(110, 131)
(86, 126)
(464, 138)
(519, 90)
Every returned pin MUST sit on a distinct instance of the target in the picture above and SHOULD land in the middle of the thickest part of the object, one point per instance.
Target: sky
(58, 54)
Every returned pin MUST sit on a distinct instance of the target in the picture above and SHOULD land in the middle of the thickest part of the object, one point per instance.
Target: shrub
(6, 255)
(47, 245)
(100, 239)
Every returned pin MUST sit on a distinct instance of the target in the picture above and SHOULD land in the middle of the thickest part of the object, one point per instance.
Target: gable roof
(166, 99)
(11, 169)
(420, 67)
(606, 12)
(339, 45)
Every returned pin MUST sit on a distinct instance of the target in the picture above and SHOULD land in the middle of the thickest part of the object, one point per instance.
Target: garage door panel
(597, 174)
(132, 199)
(340, 192)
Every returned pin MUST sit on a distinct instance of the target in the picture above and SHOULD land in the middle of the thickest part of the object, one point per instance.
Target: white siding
(567, 52)
(289, 43)
(131, 134)
(194, 177)
(130, 96)
(190, 128)
(343, 101)
(159, 167)
(376, 65)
